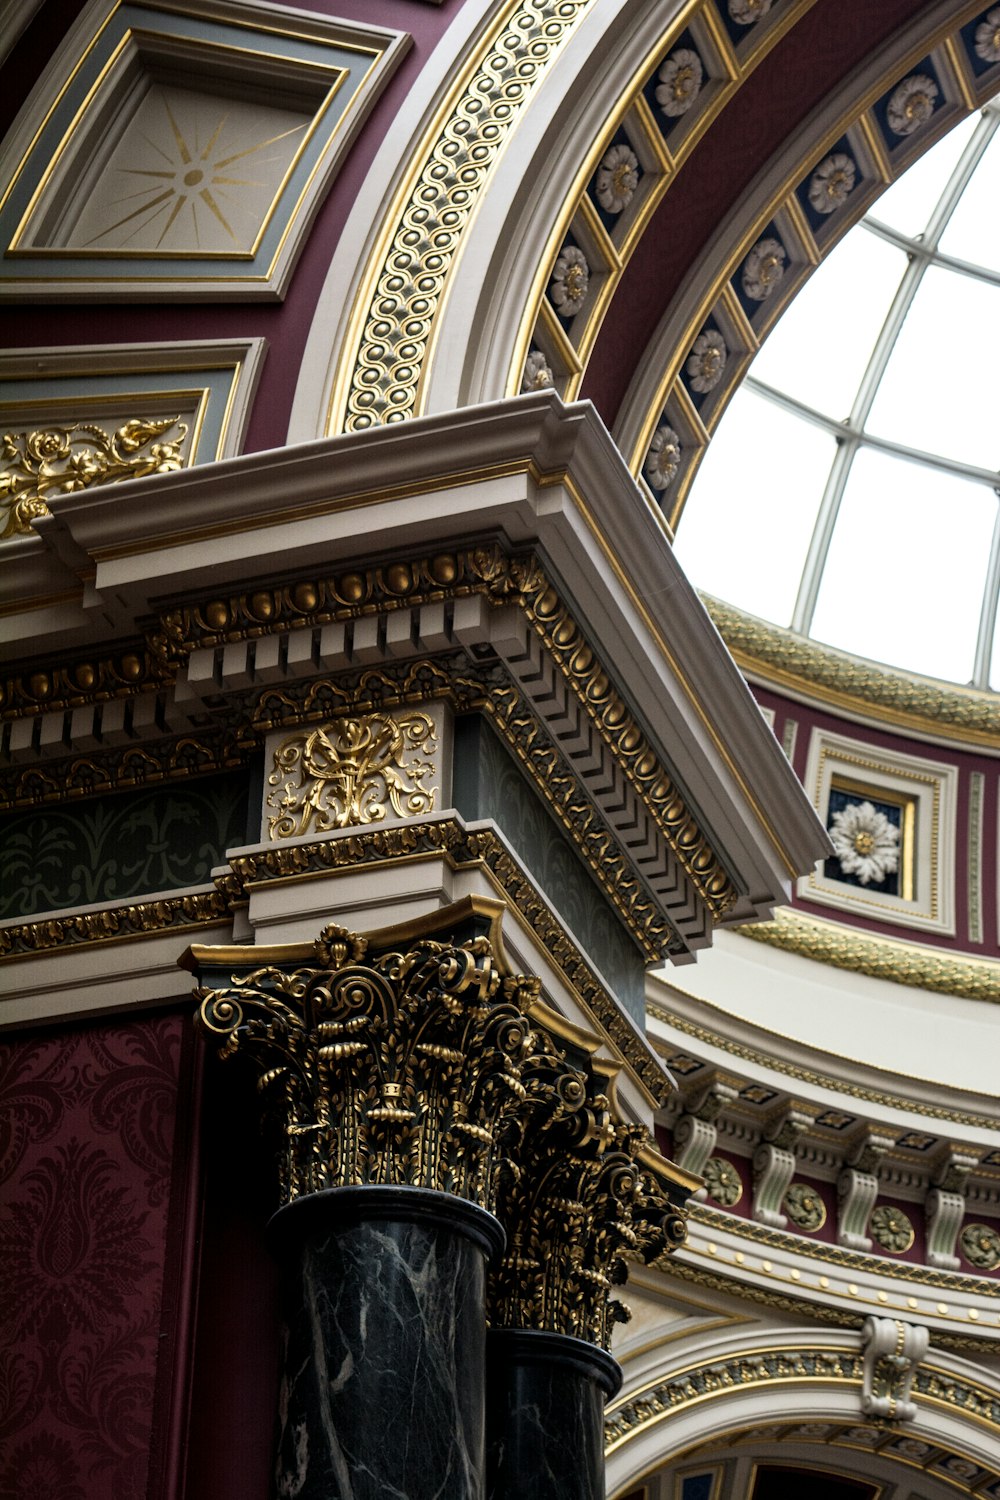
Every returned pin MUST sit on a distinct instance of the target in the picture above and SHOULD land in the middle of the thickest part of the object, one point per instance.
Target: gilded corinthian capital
(394, 1066)
(580, 1195)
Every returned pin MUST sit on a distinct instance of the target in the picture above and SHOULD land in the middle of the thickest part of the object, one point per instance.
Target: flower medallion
(911, 104)
(981, 1246)
(865, 842)
(722, 1181)
(749, 12)
(537, 375)
(570, 281)
(891, 1228)
(707, 360)
(664, 458)
(617, 179)
(987, 40)
(763, 269)
(804, 1207)
(680, 82)
(832, 182)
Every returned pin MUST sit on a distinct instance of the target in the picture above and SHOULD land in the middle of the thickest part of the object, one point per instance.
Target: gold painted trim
(947, 1283)
(777, 1365)
(381, 368)
(112, 924)
(820, 674)
(843, 1086)
(919, 965)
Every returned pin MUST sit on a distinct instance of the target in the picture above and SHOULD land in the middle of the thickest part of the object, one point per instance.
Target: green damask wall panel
(489, 784)
(114, 848)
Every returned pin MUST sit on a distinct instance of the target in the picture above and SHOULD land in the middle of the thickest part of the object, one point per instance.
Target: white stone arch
(735, 1405)
(514, 226)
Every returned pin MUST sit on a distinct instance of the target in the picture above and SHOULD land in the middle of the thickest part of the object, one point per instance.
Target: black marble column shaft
(383, 1391)
(545, 1395)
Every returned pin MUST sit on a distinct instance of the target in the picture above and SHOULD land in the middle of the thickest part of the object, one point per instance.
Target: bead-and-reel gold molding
(392, 324)
(760, 266)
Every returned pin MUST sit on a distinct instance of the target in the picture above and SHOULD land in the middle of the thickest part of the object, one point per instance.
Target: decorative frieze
(57, 460)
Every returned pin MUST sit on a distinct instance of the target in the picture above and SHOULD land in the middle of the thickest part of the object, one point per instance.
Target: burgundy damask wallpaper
(87, 1126)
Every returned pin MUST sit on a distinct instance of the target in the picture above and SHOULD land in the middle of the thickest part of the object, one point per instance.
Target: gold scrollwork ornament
(722, 1181)
(59, 460)
(981, 1246)
(351, 771)
(891, 1228)
(804, 1207)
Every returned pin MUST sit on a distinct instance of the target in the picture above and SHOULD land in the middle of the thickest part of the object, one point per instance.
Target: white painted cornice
(529, 471)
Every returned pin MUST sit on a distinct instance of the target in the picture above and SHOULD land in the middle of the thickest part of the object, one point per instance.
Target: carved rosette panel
(352, 771)
(580, 1195)
(398, 1071)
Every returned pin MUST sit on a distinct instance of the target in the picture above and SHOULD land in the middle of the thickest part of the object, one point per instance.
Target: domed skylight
(854, 479)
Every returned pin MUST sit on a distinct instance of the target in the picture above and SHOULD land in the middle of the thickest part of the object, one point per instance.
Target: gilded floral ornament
(59, 460)
(617, 179)
(981, 1246)
(749, 12)
(722, 1181)
(680, 82)
(804, 1207)
(911, 104)
(537, 373)
(353, 770)
(987, 39)
(570, 281)
(865, 842)
(707, 360)
(891, 1228)
(664, 457)
(763, 269)
(832, 182)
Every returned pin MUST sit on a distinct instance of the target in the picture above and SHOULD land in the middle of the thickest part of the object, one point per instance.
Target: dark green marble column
(545, 1396)
(383, 1392)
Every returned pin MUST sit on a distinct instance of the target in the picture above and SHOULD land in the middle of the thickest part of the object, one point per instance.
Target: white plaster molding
(883, 1036)
(733, 1408)
(774, 1167)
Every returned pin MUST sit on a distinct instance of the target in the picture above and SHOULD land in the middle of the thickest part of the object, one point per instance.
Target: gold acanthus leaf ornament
(580, 1194)
(352, 770)
(397, 1069)
(59, 460)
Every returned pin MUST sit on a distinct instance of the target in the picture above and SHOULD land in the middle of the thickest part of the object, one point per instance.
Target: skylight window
(854, 478)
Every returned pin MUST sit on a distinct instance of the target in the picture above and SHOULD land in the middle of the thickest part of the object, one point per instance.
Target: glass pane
(745, 530)
(820, 347)
(995, 668)
(909, 203)
(971, 233)
(905, 574)
(939, 391)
